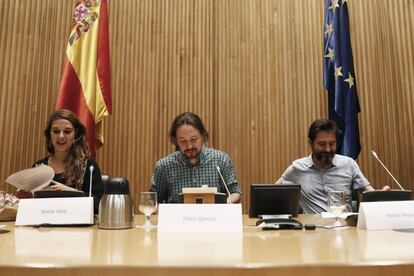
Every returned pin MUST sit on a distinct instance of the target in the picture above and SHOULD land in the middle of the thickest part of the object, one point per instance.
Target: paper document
(328, 215)
(33, 179)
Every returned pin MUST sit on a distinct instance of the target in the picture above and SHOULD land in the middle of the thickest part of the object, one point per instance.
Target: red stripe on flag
(71, 97)
(103, 64)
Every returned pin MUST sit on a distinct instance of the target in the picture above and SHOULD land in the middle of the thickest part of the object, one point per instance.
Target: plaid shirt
(174, 172)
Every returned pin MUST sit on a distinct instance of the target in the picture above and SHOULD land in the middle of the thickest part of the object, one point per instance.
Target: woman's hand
(55, 187)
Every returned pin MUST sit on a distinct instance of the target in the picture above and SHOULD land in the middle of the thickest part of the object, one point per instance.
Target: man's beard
(194, 154)
(324, 157)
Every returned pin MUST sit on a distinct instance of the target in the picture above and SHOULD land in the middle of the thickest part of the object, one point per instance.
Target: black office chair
(379, 195)
(355, 201)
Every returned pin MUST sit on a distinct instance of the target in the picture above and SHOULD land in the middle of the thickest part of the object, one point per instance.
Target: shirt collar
(335, 161)
(309, 161)
(202, 155)
(310, 164)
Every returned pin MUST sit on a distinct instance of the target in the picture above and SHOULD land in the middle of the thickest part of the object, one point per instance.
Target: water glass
(336, 204)
(148, 205)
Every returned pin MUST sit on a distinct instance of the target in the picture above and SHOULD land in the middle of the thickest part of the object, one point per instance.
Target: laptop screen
(274, 199)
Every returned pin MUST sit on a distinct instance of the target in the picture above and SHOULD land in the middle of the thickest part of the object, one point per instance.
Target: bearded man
(193, 164)
(324, 170)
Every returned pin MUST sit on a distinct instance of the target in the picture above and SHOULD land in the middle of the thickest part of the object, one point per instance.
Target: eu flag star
(330, 54)
(328, 29)
(350, 80)
(334, 4)
(338, 72)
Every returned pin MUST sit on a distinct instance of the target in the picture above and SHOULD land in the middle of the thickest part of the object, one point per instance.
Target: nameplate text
(195, 218)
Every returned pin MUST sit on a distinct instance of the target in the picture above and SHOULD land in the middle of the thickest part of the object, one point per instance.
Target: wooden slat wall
(252, 69)
(384, 57)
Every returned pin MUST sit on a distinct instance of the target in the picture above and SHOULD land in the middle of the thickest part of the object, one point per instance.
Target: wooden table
(92, 251)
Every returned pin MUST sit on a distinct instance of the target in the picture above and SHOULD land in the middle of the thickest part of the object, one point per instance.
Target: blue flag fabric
(339, 77)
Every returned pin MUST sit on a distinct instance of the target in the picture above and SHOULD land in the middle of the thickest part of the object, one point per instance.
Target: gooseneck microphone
(90, 180)
(225, 185)
(393, 178)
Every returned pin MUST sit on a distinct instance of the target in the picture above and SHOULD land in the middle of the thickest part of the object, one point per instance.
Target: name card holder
(200, 218)
(386, 215)
(55, 211)
(199, 195)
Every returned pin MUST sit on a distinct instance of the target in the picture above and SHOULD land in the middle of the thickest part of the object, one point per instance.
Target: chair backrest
(355, 201)
(379, 195)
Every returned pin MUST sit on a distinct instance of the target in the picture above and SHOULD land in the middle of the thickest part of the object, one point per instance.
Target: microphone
(393, 178)
(90, 180)
(225, 185)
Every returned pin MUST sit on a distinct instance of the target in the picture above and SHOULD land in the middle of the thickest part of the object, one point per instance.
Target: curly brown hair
(75, 163)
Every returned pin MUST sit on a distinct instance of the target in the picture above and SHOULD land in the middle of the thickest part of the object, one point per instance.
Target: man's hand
(235, 198)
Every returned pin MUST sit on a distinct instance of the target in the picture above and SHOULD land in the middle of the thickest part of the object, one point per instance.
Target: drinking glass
(336, 204)
(147, 206)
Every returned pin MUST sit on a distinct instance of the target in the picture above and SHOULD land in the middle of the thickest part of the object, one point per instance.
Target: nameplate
(385, 215)
(55, 211)
(200, 218)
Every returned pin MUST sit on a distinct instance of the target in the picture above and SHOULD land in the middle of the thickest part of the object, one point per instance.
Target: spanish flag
(85, 87)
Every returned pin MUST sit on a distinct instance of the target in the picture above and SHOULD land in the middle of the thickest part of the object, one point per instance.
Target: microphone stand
(225, 185)
(393, 178)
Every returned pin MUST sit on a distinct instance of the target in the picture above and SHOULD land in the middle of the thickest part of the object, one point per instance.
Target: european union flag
(339, 77)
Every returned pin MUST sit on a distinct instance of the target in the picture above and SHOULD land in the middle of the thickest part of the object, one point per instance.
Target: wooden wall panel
(32, 41)
(269, 84)
(252, 69)
(383, 54)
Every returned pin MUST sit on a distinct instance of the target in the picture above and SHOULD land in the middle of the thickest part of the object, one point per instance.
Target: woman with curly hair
(70, 156)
